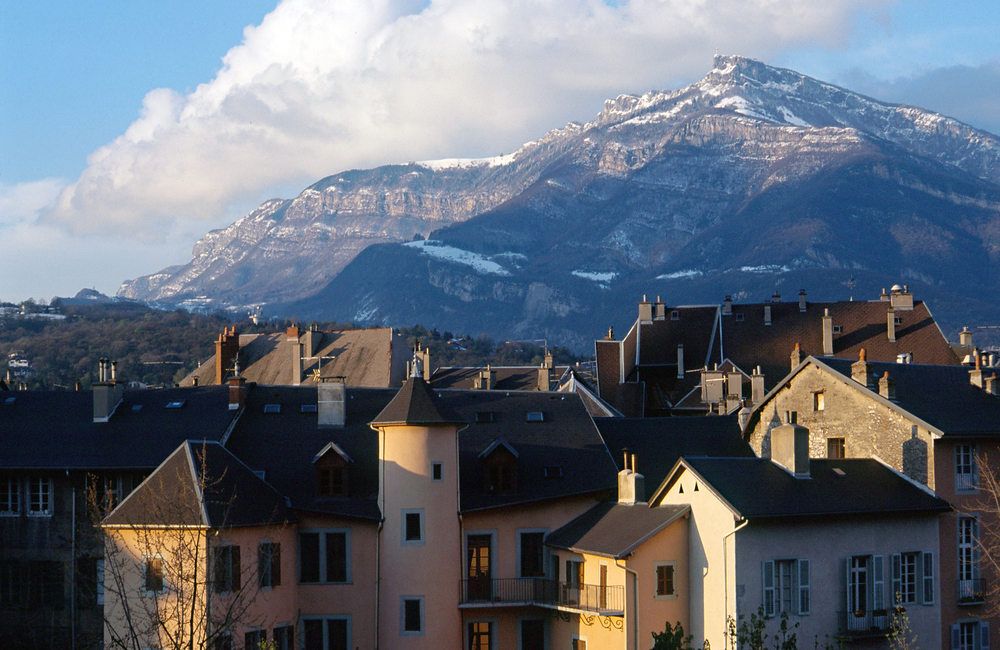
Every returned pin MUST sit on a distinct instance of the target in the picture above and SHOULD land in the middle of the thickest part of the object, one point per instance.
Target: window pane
(532, 564)
(413, 526)
(411, 615)
(309, 549)
(312, 633)
(336, 557)
(336, 632)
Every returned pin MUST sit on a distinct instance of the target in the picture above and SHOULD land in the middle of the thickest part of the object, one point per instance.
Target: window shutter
(897, 577)
(767, 579)
(847, 584)
(984, 635)
(803, 586)
(975, 546)
(956, 636)
(235, 567)
(275, 565)
(928, 577)
(878, 582)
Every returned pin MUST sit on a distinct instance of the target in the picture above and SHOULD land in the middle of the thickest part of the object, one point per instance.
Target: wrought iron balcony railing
(863, 623)
(544, 593)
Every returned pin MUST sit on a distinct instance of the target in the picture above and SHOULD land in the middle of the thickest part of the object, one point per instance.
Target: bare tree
(987, 543)
(172, 579)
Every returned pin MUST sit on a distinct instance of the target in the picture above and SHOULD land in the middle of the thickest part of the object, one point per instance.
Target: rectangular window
(332, 482)
(966, 472)
(819, 401)
(836, 448)
(904, 577)
(39, 496)
(437, 471)
(970, 589)
(227, 568)
(253, 639)
(284, 637)
(224, 641)
(269, 564)
(970, 635)
(324, 557)
(480, 635)
(413, 527)
(326, 633)
(411, 616)
(665, 580)
(579, 643)
(10, 496)
(785, 586)
(574, 574)
(532, 554)
(152, 575)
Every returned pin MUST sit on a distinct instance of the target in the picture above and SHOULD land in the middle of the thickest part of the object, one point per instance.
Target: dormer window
(535, 416)
(675, 315)
(500, 468)
(331, 472)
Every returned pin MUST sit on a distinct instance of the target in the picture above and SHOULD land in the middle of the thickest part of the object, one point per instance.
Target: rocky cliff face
(753, 177)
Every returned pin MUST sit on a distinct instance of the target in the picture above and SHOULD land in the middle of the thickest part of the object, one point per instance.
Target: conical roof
(416, 404)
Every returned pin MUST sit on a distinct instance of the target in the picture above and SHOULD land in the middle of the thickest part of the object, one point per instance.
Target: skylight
(272, 408)
(176, 404)
(308, 408)
(534, 416)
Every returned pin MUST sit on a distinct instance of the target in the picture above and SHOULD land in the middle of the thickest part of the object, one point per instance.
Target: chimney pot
(861, 370)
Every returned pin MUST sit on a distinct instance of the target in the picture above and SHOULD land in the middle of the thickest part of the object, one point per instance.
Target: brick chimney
(861, 370)
(827, 334)
(237, 393)
(226, 349)
(645, 311)
(108, 392)
(796, 357)
(802, 300)
(890, 322)
(331, 404)
(887, 387)
(631, 484)
(790, 448)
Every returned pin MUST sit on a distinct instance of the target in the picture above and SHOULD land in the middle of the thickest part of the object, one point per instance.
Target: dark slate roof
(202, 484)
(659, 442)
(416, 404)
(751, 343)
(566, 440)
(507, 377)
(55, 429)
(941, 396)
(284, 444)
(614, 530)
(759, 488)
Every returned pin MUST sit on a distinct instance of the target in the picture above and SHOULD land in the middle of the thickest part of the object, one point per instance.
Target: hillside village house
(715, 358)
(935, 424)
(828, 542)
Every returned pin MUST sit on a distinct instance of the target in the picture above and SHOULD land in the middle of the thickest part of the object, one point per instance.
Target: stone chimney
(295, 347)
(757, 386)
(827, 334)
(237, 393)
(802, 300)
(661, 310)
(331, 403)
(890, 321)
(486, 380)
(645, 311)
(767, 312)
(965, 338)
(680, 361)
(976, 374)
(310, 341)
(631, 484)
(544, 378)
(108, 392)
(226, 349)
(991, 385)
(727, 306)
(901, 298)
(887, 387)
(796, 357)
(790, 448)
(712, 386)
(861, 370)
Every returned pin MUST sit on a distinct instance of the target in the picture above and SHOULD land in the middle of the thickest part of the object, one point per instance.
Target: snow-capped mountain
(752, 178)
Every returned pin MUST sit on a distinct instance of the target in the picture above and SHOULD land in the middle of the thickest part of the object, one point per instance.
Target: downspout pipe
(635, 605)
(725, 566)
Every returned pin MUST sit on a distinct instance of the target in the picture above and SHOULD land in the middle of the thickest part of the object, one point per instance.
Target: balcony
(972, 591)
(866, 624)
(511, 592)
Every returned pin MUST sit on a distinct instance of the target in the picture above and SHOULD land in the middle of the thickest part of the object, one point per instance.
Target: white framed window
(325, 556)
(269, 563)
(966, 472)
(970, 635)
(284, 637)
(326, 632)
(479, 634)
(970, 588)
(913, 578)
(411, 616)
(786, 586)
(413, 527)
(666, 588)
(153, 581)
(39, 496)
(10, 496)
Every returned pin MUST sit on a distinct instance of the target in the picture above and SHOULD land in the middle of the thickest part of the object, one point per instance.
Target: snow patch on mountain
(466, 163)
(450, 254)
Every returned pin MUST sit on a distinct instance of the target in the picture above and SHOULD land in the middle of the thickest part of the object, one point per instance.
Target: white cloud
(321, 86)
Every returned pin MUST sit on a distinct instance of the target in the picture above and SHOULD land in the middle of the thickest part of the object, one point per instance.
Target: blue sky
(129, 130)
